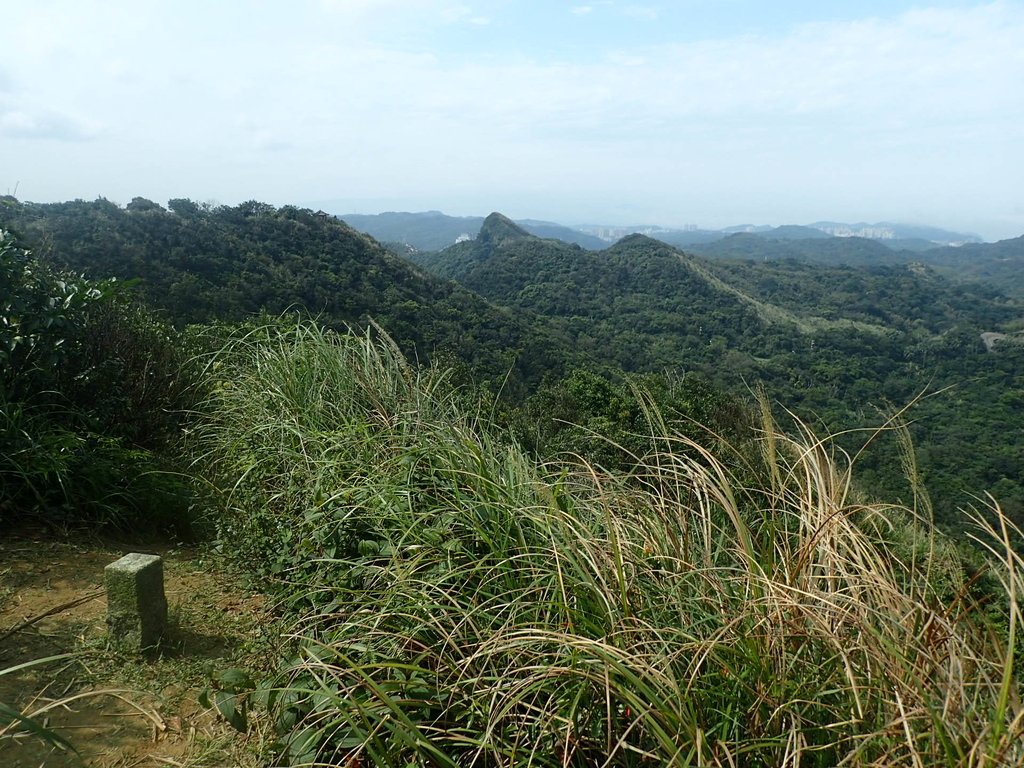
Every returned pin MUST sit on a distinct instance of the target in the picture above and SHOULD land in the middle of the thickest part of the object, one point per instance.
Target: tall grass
(454, 604)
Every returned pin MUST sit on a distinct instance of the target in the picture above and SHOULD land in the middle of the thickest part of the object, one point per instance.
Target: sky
(680, 112)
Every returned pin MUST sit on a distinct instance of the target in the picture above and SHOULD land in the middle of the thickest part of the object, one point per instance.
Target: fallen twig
(56, 609)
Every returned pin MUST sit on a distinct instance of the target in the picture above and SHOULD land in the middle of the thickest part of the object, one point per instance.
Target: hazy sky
(711, 112)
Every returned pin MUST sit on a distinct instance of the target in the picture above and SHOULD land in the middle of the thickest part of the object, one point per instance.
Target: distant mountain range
(433, 230)
(956, 254)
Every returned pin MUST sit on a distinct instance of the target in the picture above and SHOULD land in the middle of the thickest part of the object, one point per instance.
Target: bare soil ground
(52, 603)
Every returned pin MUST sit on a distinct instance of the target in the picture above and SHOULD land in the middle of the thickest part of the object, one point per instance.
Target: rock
(136, 604)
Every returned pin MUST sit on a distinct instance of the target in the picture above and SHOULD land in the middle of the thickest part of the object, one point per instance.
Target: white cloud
(371, 96)
(867, 76)
(48, 125)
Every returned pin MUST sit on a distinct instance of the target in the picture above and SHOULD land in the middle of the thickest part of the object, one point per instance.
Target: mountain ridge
(531, 307)
(231, 263)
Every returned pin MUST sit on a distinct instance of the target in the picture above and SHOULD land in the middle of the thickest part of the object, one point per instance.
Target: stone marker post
(136, 605)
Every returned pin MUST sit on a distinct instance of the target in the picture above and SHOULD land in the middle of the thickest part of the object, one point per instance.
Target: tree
(37, 311)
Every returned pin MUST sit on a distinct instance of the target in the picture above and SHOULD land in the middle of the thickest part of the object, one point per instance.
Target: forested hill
(839, 345)
(199, 264)
(681, 304)
(639, 305)
(824, 249)
(1000, 263)
(433, 230)
(901, 297)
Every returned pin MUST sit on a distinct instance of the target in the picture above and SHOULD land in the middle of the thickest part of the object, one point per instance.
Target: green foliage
(997, 264)
(976, 265)
(455, 603)
(811, 246)
(908, 298)
(296, 416)
(200, 264)
(231, 695)
(54, 470)
(839, 346)
(88, 389)
(607, 421)
(131, 373)
(38, 311)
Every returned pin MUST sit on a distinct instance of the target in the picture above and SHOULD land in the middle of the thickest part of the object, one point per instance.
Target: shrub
(457, 604)
(92, 390)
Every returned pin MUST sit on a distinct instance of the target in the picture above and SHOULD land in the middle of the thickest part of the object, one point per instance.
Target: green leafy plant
(92, 392)
(230, 695)
(456, 603)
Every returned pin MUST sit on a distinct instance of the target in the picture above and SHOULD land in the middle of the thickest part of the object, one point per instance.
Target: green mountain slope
(1000, 264)
(639, 305)
(856, 251)
(837, 344)
(900, 297)
(228, 263)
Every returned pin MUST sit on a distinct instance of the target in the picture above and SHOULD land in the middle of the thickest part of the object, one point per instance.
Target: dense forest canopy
(998, 265)
(199, 263)
(841, 346)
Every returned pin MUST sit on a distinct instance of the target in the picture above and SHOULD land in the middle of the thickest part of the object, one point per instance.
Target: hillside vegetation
(994, 263)
(997, 265)
(850, 251)
(455, 603)
(199, 264)
(93, 392)
(842, 346)
(680, 583)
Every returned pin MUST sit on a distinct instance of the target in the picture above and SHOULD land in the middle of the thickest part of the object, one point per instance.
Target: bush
(92, 390)
(456, 604)
(39, 309)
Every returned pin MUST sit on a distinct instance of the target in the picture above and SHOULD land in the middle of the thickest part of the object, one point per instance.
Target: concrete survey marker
(136, 604)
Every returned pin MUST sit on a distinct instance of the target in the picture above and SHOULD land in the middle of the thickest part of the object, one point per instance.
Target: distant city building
(872, 233)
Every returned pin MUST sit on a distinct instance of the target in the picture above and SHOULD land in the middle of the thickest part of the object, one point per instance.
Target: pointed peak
(498, 229)
(635, 240)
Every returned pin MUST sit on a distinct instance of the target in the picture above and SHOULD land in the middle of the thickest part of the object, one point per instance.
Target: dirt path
(154, 719)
